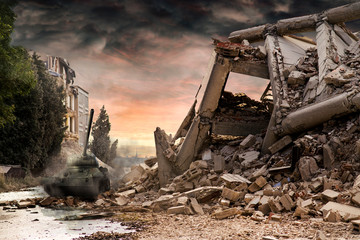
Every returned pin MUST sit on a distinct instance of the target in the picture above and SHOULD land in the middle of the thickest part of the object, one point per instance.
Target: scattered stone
(226, 213)
(248, 141)
(230, 194)
(296, 77)
(176, 210)
(219, 163)
(329, 195)
(307, 167)
(122, 200)
(287, 202)
(258, 184)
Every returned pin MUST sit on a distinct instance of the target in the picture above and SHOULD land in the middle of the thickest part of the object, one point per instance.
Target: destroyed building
(310, 83)
(293, 155)
(76, 99)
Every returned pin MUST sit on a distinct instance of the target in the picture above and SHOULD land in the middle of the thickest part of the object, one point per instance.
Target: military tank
(83, 177)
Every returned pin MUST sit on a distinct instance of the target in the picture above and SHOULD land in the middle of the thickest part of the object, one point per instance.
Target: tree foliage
(100, 145)
(38, 128)
(16, 74)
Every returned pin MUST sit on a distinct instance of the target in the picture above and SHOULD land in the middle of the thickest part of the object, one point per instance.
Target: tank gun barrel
(88, 132)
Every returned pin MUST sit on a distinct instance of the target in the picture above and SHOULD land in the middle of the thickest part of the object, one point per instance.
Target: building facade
(76, 99)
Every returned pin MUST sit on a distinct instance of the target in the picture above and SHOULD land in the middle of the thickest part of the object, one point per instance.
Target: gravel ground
(164, 226)
(240, 227)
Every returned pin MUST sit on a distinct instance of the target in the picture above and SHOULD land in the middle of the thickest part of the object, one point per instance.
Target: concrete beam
(256, 69)
(318, 113)
(165, 170)
(199, 129)
(306, 23)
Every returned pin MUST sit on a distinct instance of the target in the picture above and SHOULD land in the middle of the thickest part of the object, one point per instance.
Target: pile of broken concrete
(311, 176)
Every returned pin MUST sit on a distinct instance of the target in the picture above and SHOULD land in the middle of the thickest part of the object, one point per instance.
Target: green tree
(100, 145)
(38, 128)
(17, 76)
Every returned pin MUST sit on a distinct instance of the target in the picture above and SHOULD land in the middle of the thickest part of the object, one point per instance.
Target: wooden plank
(256, 69)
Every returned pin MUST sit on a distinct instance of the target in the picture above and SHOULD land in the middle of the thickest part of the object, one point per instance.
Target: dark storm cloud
(145, 59)
(124, 24)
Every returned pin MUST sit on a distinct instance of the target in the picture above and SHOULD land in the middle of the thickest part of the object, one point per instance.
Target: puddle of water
(34, 192)
(39, 223)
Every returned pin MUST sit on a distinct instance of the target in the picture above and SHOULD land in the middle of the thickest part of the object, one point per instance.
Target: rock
(182, 200)
(69, 201)
(275, 205)
(307, 203)
(206, 155)
(248, 158)
(225, 202)
(320, 236)
(196, 206)
(139, 188)
(307, 167)
(344, 210)
(300, 211)
(219, 163)
(296, 77)
(338, 77)
(129, 193)
(264, 208)
(184, 186)
(248, 141)
(275, 217)
(163, 191)
(328, 156)
(254, 202)
(287, 202)
(47, 201)
(316, 186)
(230, 194)
(330, 195)
(332, 216)
(122, 200)
(226, 213)
(25, 204)
(356, 198)
(201, 164)
(176, 210)
(99, 202)
(134, 175)
(258, 184)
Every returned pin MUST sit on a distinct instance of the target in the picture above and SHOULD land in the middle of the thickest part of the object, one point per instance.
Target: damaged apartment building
(311, 81)
(76, 98)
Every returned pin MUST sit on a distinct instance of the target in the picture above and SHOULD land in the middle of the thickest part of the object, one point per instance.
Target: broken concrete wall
(306, 77)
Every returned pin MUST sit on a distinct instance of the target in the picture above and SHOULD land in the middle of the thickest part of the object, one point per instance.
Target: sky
(144, 60)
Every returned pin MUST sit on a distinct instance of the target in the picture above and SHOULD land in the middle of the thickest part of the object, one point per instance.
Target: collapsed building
(310, 83)
(295, 154)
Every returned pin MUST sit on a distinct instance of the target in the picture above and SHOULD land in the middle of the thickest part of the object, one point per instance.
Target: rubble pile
(312, 176)
(238, 106)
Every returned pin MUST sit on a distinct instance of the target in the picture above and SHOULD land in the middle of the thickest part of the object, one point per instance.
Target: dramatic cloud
(144, 60)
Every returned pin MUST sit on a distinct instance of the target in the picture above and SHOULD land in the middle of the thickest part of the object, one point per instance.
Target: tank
(83, 177)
